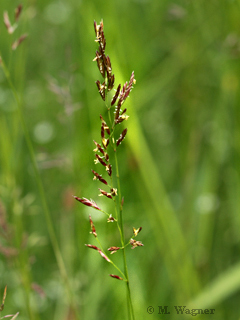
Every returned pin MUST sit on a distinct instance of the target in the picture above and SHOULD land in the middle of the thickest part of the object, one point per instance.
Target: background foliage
(179, 163)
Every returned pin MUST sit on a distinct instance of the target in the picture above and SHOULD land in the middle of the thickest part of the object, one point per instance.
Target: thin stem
(41, 190)
(105, 69)
(129, 298)
(115, 266)
(119, 217)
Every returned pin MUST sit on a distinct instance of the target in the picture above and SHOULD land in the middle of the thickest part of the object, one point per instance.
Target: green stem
(129, 297)
(115, 266)
(50, 227)
(119, 216)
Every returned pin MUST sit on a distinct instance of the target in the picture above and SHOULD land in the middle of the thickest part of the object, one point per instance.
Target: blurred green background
(179, 163)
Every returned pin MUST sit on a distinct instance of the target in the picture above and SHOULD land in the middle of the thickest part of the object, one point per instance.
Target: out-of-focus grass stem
(41, 190)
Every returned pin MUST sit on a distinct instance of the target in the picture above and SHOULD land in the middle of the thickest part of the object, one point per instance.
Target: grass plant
(109, 140)
(179, 162)
(11, 28)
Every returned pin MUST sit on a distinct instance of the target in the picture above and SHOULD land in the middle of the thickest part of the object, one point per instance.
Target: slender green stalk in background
(41, 190)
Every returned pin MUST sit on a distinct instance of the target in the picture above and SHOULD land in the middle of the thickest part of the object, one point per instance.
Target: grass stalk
(51, 231)
(116, 115)
(120, 222)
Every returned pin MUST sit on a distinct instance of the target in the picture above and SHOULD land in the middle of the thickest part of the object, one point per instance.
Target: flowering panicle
(116, 115)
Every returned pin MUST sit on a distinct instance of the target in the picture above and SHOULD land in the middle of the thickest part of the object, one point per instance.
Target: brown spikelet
(129, 87)
(86, 202)
(104, 125)
(126, 89)
(111, 79)
(100, 160)
(101, 89)
(107, 194)
(105, 142)
(103, 61)
(18, 41)
(92, 227)
(99, 177)
(102, 131)
(96, 28)
(109, 169)
(115, 276)
(113, 249)
(117, 111)
(18, 11)
(114, 99)
(135, 243)
(91, 246)
(122, 136)
(100, 63)
(121, 117)
(99, 148)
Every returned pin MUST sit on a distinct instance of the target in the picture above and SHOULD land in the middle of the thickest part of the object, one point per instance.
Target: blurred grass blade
(219, 289)
(167, 230)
